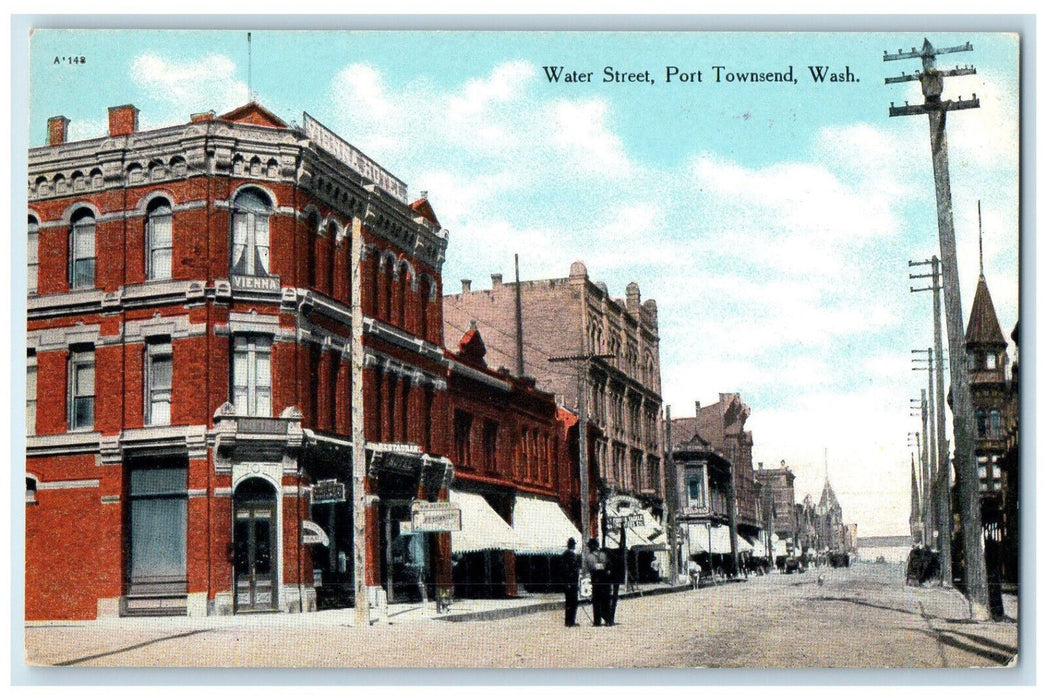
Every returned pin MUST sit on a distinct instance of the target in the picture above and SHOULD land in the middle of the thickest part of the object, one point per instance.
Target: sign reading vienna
(436, 517)
(328, 491)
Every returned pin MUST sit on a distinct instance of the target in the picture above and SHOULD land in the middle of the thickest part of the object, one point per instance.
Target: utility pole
(583, 431)
(943, 472)
(915, 442)
(931, 83)
(671, 494)
(362, 604)
(519, 322)
(930, 447)
(926, 471)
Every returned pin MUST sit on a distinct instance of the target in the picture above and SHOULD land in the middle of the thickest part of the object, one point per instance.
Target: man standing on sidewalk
(596, 563)
(570, 564)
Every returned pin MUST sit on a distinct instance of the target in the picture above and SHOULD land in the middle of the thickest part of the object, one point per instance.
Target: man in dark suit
(570, 564)
(597, 564)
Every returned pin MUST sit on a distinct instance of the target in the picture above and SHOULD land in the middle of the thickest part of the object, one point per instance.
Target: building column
(343, 387)
(323, 401)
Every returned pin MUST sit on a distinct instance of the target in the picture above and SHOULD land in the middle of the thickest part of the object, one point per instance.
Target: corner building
(188, 368)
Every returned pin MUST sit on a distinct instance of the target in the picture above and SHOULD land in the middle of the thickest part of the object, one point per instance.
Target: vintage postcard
(522, 349)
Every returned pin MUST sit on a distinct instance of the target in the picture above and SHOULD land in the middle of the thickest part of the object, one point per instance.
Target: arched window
(158, 240)
(250, 250)
(82, 250)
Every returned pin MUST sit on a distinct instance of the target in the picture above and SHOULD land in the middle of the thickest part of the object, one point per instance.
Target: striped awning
(542, 524)
(482, 527)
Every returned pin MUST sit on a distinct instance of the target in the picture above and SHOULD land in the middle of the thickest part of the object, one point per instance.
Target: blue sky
(771, 222)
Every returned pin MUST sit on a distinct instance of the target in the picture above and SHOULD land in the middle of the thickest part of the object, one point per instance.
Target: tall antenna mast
(250, 91)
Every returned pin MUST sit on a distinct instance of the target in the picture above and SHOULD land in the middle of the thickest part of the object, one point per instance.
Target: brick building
(515, 477)
(573, 316)
(189, 375)
(779, 499)
(722, 425)
(189, 378)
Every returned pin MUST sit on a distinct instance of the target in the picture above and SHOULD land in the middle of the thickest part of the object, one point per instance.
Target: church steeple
(984, 341)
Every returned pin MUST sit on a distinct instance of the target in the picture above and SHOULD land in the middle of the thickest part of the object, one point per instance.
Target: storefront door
(254, 546)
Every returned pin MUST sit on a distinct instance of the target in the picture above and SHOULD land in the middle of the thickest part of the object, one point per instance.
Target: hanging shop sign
(314, 534)
(328, 491)
(441, 516)
(624, 511)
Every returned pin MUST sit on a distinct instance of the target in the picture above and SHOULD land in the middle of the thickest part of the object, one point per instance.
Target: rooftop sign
(353, 157)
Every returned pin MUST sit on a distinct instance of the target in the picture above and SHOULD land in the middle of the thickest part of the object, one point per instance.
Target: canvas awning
(743, 544)
(759, 546)
(482, 527)
(650, 535)
(542, 524)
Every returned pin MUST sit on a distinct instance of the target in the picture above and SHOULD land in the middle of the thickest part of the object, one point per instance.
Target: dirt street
(861, 617)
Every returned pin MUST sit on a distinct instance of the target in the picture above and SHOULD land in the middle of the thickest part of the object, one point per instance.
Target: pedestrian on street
(596, 563)
(570, 564)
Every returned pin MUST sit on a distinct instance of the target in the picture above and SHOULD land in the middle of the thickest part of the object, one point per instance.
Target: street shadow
(985, 641)
(950, 639)
(866, 604)
(113, 652)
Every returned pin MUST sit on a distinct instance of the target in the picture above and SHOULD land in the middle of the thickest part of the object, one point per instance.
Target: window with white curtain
(252, 377)
(32, 255)
(158, 241)
(82, 251)
(81, 389)
(30, 395)
(250, 249)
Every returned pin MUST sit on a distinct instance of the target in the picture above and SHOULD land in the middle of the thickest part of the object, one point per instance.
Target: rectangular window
(490, 439)
(81, 390)
(82, 254)
(252, 378)
(33, 257)
(158, 372)
(30, 396)
(158, 238)
(463, 425)
(158, 498)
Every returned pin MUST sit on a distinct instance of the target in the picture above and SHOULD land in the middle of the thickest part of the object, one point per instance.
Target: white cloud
(188, 86)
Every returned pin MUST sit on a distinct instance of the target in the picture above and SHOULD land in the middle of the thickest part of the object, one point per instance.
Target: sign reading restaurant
(441, 516)
(353, 157)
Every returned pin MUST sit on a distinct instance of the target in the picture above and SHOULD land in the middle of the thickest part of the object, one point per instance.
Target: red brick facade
(190, 380)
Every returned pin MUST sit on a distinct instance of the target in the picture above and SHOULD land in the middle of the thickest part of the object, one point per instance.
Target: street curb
(505, 613)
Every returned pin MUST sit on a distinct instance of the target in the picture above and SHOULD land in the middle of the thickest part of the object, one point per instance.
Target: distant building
(722, 425)
(571, 317)
(830, 520)
(780, 500)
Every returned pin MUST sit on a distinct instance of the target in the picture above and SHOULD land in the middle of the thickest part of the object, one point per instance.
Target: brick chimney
(496, 280)
(697, 408)
(202, 116)
(467, 286)
(123, 120)
(57, 131)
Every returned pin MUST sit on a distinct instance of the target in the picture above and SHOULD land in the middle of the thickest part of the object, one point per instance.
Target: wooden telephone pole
(942, 485)
(931, 83)
(583, 432)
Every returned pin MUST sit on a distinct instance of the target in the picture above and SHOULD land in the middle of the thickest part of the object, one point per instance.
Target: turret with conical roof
(985, 343)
